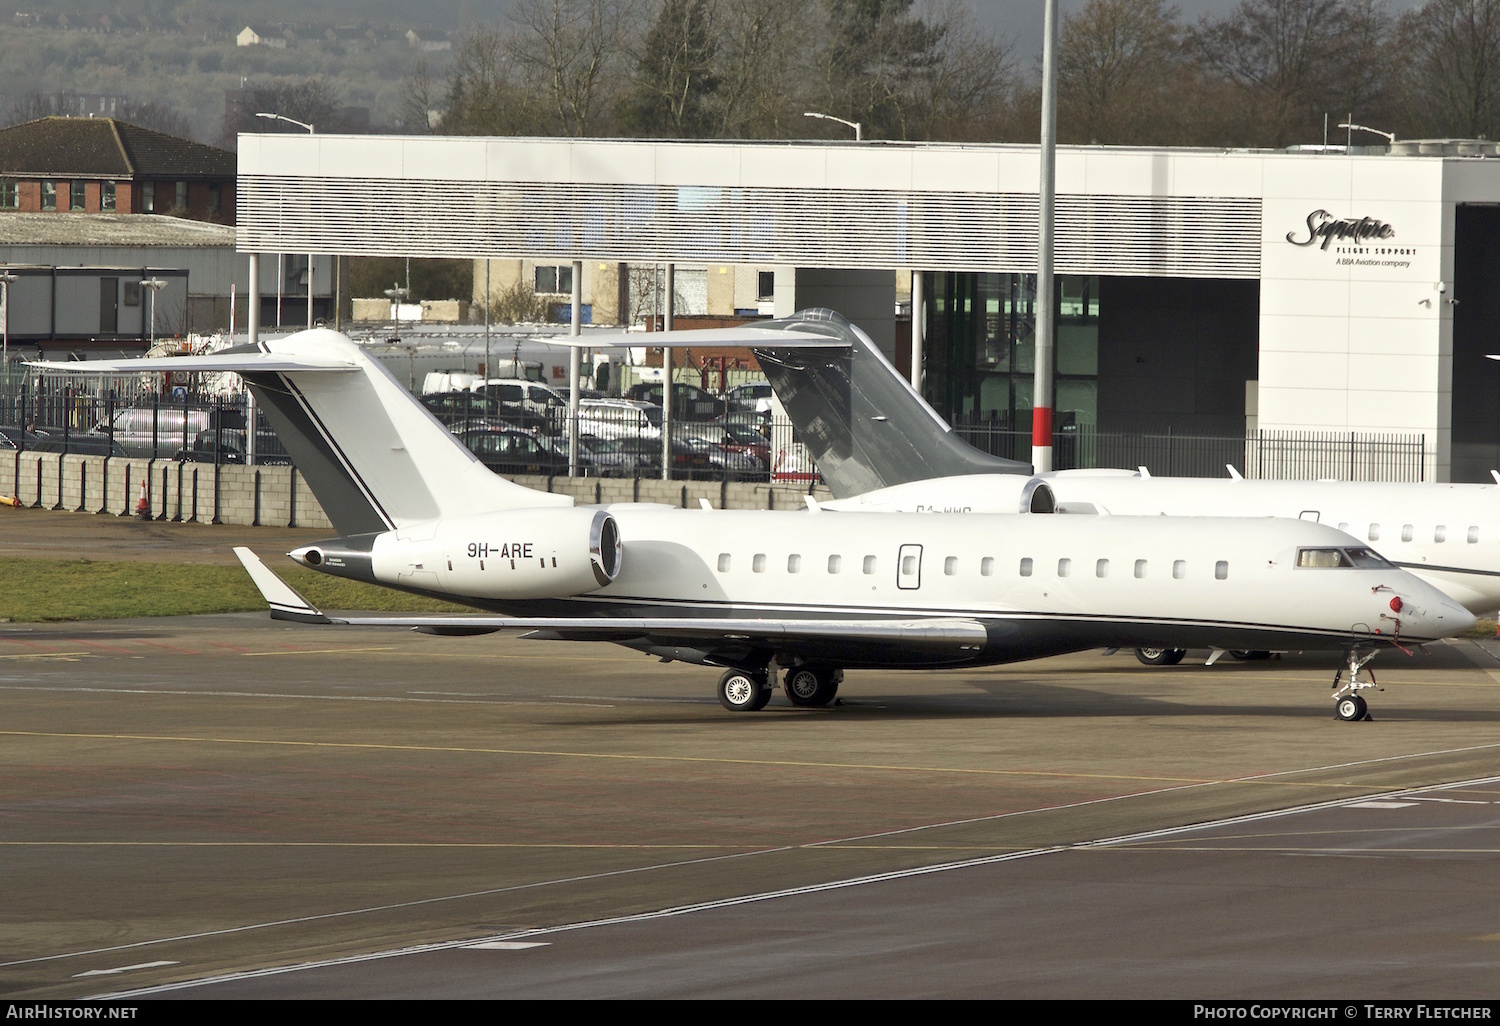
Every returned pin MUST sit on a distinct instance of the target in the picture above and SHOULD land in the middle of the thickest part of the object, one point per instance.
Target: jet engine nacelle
(515, 554)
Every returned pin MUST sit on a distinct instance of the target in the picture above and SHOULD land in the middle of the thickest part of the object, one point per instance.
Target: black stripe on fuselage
(350, 504)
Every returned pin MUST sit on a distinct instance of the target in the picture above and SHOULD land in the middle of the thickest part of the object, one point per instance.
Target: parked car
(84, 444)
(530, 395)
(16, 437)
(511, 451)
(723, 460)
(268, 450)
(158, 431)
(688, 401)
(460, 410)
(619, 418)
(752, 395)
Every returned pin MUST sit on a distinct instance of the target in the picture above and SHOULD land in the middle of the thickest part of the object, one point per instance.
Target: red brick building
(101, 165)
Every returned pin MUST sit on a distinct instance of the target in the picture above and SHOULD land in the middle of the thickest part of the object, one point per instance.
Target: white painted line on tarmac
(1379, 805)
(748, 899)
(506, 945)
(123, 969)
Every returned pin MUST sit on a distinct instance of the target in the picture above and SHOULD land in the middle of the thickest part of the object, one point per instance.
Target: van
(159, 432)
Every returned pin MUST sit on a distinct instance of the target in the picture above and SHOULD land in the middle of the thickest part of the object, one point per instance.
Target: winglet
(284, 601)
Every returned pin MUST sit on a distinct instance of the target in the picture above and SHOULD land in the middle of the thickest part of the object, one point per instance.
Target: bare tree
(759, 42)
(567, 49)
(1454, 81)
(483, 97)
(1116, 60)
(1293, 60)
(966, 91)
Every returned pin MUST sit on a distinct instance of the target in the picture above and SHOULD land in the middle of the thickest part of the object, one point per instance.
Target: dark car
(268, 451)
(458, 411)
(688, 401)
(82, 444)
(511, 451)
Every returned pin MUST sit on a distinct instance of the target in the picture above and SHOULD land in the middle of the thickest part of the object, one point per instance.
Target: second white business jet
(814, 592)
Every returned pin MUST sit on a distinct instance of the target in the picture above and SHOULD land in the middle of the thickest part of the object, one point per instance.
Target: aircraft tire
(1350, 708)
(740, 691)
(1160, 656)
(809, 688)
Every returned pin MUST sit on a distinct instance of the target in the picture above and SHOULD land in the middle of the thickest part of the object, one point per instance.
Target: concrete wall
(279, 496)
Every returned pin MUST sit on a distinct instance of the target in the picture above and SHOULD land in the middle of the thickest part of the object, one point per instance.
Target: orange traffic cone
(143, 507)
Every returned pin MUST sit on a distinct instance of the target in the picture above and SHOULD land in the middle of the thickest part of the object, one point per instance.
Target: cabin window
(1440, 533)
(1344, 527)
(794, 564)
(1179, 569)
(869, 564)
(950, 566)
(1374, 532)
(1064, 567)
(1026, 567)
(723, 562)
(1140, 568)
(987, 566)
(908, 566)
(1406, 532)
(1221, 570)
(1101, 568)
(835, 564)
(758, 564)
(1473, 535)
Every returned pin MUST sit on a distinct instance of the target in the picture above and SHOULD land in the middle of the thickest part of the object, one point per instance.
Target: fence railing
(621, 440)
(1281, 455)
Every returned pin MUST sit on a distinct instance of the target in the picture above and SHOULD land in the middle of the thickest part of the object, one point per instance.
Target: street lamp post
(310, 131)
(396, 293)
(5, 281)
(154, 285)
(858, 131)
(1390, 137)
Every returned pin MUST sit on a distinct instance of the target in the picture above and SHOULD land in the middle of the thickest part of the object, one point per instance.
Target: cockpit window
(1368, 559)
(1360, 558)
(1322, 557)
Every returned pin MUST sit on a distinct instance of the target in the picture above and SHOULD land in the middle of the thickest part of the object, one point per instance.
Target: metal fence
(1280, 455)
(122, 416)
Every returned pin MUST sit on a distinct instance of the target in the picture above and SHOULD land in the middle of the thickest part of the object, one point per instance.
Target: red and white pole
(1042, 388)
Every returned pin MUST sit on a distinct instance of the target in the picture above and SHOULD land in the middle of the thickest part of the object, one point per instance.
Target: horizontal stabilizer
(285, 602)
(236, 362)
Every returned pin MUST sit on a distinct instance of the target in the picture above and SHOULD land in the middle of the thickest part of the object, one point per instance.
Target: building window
(49, 195)
(148, 197)
(107, 196)
(765, 285)
(10, 194)
(77, 200)
(556, 278)
(180, 199)
(215, 197)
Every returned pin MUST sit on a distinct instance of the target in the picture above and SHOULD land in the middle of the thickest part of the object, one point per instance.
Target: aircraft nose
(1426, 612)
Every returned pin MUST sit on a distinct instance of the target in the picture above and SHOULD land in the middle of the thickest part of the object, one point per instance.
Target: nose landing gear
(1348, 705)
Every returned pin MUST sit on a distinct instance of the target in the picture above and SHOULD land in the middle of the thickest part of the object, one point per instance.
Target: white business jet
(815, 592)
(881, 447)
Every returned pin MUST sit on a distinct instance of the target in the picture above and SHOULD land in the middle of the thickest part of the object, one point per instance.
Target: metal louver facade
(1172, 236)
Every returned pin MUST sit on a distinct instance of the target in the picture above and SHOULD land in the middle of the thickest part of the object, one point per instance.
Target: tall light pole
(5, 281)
(396, 294)
(1042, 387)
(310, 131)
(154, 285)
(858, 131)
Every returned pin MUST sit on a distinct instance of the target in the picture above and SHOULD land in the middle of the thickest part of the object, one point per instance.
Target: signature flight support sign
(1362, 241)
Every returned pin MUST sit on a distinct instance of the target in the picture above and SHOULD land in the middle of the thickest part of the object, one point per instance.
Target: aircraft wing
(956, 633)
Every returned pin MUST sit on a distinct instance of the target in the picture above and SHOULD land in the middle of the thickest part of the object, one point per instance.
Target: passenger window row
(986, 566)
(1409, 533)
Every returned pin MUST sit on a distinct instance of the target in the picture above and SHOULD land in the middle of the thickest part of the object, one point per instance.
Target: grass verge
(34, 590)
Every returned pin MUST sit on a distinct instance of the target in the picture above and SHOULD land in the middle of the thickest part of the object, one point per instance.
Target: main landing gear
(805, 686)
(1348, 705)
(1160, 656)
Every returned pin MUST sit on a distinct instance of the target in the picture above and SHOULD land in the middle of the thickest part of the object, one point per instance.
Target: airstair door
(909, 567)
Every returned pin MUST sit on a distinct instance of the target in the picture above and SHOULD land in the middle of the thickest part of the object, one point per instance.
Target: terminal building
(1204, 292)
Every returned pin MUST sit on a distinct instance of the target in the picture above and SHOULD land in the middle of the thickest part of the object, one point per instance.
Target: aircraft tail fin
(371, 452)
(865, 426)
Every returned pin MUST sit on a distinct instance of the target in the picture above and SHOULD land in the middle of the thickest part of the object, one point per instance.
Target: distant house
(92, 165)
(428, 41)
(249, 36)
